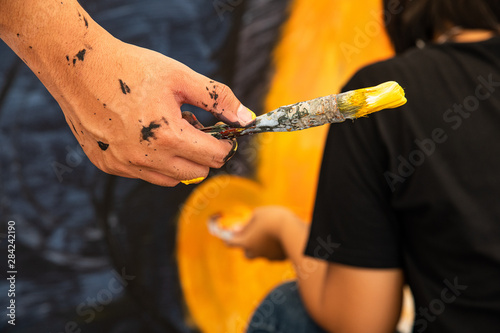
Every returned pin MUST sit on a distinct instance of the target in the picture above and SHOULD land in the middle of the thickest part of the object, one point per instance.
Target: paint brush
(319, 111)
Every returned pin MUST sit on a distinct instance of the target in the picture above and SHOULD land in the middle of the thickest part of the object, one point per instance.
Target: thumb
(216, 98)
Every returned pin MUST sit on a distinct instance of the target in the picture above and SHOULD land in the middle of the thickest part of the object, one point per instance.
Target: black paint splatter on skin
(204, 105)
(147, 132)
(80, 55)
(124, 87)
(102, 145)
(104, 104)
(17, 35)
(76, 132)
(213, 95)
(86, 22)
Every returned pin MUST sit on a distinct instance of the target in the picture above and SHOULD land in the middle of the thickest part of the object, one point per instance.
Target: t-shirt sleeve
(353, 223)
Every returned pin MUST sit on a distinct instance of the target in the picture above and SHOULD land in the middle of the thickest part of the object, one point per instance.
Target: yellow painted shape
(221, 287)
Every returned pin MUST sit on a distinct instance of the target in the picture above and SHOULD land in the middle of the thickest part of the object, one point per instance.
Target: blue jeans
(282, 311)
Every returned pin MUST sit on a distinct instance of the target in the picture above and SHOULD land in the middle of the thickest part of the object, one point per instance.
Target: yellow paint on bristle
(387, 95)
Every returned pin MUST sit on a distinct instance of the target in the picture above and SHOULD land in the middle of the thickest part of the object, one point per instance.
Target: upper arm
(360, 299)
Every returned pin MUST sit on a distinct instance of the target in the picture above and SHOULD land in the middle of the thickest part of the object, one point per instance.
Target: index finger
(203, 148)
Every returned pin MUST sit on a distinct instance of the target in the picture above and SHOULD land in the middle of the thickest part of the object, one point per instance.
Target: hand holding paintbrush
(320, 111)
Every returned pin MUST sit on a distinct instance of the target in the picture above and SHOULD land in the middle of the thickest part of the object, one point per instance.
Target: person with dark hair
(405, 197)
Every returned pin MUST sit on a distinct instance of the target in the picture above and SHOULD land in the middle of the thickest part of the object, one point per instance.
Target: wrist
(285, 223)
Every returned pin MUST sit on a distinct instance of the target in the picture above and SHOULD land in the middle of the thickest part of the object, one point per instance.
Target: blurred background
(98, 253)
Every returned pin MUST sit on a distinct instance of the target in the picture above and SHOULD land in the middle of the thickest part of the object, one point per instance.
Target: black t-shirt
(419, 187)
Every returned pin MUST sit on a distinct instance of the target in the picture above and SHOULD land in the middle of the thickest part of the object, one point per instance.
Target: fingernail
(232, 152)
(193, 181)
(245, 115)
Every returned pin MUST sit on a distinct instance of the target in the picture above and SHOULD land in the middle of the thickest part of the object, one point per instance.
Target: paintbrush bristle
(361, 102)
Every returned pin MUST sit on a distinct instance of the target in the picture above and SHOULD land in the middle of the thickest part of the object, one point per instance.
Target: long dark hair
(408, 21)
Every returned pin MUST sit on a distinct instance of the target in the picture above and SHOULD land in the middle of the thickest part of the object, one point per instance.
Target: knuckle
(225, 94)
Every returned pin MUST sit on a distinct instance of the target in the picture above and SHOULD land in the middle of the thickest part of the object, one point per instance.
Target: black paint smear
(212, 82)
(74, 61)
(215, 105)
(31, 47)
(86, 22)
(164, 120)
(17, 35)
(104, 104)
(102, 145)
(205, 105)
(147, 132)
(214, 95)
(124, 87)
(76, 132)
(80, 55)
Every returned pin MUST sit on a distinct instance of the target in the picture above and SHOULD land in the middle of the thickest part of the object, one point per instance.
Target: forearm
(54, 38)
(310, 272)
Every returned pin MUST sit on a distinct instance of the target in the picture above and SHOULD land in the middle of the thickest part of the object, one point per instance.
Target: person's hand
(122, 102)
(133, 126)
(261, 236)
